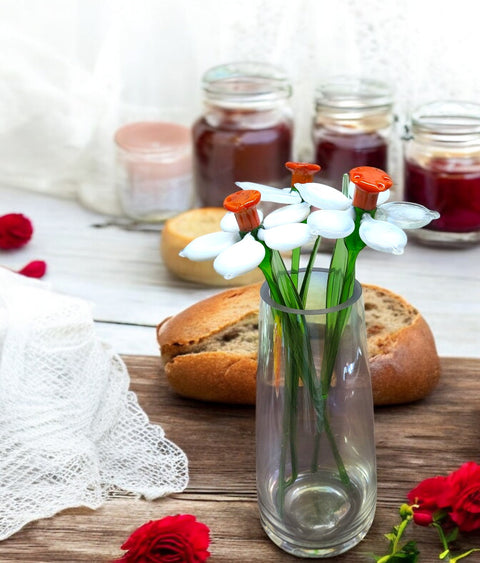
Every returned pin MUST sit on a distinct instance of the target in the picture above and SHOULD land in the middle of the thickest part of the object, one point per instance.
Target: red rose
(429, 494)
(173, 539)
(464, 496)
(15, 230)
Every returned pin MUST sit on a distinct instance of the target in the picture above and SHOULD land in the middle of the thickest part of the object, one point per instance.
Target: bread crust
(409, 369)
(405, 367)
(214, 376)
(205, 318)
(182, 229)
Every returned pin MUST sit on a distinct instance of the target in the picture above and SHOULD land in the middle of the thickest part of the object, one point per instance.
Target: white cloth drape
(71, 432)
(71, 71)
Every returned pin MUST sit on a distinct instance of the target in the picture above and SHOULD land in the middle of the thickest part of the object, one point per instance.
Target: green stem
(308, 272)
(401, 529)
(340, 286)
(446, 554)
(395, 549)
(336, 453)
(284, 290)
(462, 555)
(295, 265)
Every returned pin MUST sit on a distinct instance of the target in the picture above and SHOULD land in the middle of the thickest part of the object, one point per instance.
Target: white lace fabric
(71, 432)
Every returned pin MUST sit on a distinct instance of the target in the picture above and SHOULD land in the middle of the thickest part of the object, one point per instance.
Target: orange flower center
(244, 204)
(369, 182)
(302, 172)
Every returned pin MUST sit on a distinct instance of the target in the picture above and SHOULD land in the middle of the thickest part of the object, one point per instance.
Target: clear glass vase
(316, 468)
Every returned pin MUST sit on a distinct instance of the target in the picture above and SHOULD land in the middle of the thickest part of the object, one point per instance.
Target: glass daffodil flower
(236, 248)
(234, 255)
(382, 224)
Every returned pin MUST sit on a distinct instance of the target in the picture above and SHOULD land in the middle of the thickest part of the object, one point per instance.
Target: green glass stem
(340, 285)
(295, 265)
(308, 271)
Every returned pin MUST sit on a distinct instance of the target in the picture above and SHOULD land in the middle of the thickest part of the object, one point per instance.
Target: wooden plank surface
(121, 273)
(414, 442)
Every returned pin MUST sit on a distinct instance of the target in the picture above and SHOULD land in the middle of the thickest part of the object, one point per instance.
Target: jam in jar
(352, 127)
(442, 171)
(245, 133)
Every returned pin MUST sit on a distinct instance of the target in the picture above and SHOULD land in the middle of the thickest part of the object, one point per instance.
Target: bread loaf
(209, 350)
(182, 229)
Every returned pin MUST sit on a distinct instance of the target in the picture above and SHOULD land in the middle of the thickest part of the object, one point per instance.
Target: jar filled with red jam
(442, 171)
(352, 127)
(245, 132)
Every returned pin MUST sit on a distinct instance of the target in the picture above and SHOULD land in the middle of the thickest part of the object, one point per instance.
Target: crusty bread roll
(182, 229)
(209, 350)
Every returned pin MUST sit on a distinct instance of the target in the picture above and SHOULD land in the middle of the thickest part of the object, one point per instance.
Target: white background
(71, 71)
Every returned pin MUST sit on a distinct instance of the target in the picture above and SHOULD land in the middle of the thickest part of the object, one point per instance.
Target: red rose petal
(34, 269)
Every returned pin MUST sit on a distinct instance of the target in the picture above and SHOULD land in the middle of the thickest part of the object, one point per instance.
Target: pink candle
(154, 178)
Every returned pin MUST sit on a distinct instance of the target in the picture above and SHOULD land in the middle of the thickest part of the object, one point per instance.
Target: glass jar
(245, 133)
(352, 127)
(153, 170)
(442, 171)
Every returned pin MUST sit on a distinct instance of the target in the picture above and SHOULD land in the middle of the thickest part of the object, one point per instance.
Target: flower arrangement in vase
(316, 474)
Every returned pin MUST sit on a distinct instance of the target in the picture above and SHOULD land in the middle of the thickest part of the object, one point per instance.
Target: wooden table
(414, 442)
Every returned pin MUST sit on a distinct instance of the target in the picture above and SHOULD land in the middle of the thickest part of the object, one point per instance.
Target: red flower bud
(15, 231)
(422, 518)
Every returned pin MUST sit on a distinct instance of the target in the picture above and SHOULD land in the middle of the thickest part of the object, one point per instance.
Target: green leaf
(409, 553)
(452, 536)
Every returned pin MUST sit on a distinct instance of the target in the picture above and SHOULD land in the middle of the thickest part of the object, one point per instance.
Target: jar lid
(243, 82)
(353, 93)
(452, 120)
(148, 137)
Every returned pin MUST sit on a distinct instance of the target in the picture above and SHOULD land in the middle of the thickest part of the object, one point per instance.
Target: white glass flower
(286, 237)
(323, 196)
(208, 247)
(383, 233)
(240, 258)
(283, 230)
(406, 215)
(272, 195)
(332, 223)
(294, 213)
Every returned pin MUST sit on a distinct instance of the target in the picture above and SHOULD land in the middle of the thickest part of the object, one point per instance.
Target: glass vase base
(322, 517)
